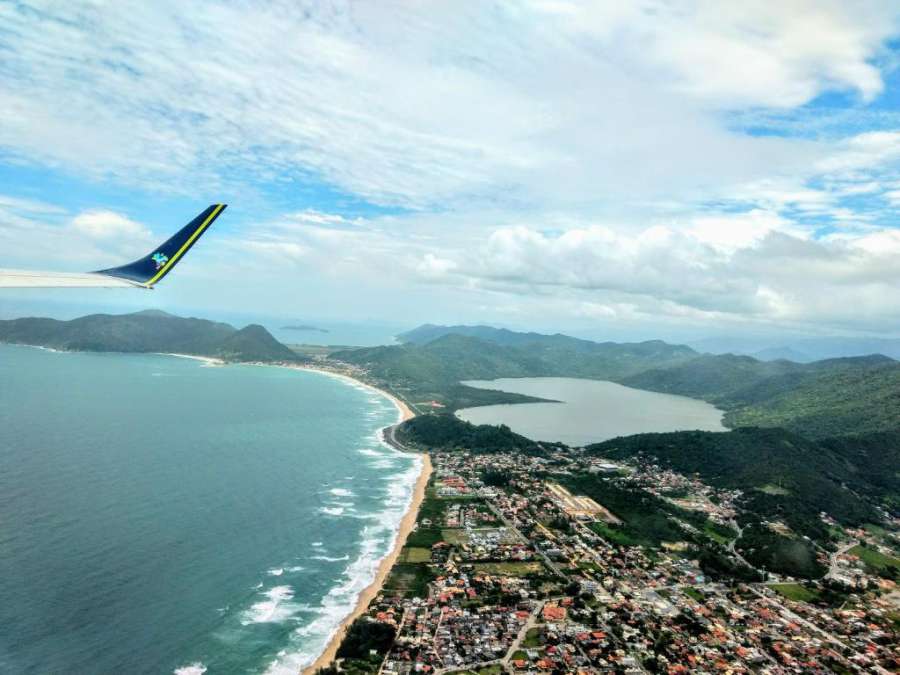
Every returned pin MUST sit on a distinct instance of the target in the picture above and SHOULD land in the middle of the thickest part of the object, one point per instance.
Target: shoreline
(370, 592)
(403, 408)
(208, 360)
(407, 523)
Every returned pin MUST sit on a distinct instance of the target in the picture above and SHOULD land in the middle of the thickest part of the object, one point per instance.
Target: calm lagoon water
(158, 515)
(590, 411)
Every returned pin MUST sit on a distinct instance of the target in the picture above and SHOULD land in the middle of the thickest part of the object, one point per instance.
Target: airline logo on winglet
(160, 259)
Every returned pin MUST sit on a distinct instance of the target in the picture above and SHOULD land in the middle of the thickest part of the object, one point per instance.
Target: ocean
(590, 411)
(158, 515)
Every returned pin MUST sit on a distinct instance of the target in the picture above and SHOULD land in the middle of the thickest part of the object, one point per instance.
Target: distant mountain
(802, 350)
(833, 397)
(782, 354)
(148, 331)
(501, 336)
(535, 354)
(434, 359)
(305, 328)
(254, 343)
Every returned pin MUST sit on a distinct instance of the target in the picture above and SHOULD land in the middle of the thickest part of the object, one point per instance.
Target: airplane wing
(142, 273)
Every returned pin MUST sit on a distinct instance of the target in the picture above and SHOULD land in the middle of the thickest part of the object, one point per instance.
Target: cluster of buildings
(525, 583)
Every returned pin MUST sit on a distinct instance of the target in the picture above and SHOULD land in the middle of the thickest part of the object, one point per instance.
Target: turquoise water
(590, 411)
(158, 515)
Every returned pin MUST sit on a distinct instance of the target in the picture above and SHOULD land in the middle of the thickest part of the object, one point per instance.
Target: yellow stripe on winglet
(186, 245)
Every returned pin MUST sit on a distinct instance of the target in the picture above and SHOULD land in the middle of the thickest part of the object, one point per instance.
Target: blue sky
(632, 169)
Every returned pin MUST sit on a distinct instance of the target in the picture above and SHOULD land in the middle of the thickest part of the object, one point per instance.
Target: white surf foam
(377, 538)
(277, 572)
(192, 669)
(369, 452)
(341, 492)
(276, 607)
(328, 559)
(331, 510)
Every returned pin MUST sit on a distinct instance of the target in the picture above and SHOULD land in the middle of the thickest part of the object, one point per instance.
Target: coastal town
(511, 568)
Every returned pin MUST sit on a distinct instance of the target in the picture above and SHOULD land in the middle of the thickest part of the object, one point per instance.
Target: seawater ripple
(205, 527)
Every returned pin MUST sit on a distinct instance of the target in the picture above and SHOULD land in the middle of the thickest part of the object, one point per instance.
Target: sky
(633, 169)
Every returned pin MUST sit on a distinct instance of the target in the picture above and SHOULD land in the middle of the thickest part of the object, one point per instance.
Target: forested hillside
(783, 476)
(822, 399)
(148, 331)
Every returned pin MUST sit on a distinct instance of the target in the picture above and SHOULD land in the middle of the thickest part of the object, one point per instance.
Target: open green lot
(509, 569)
(795, 592)
(456, 537)
(532, 638)
(415, 555)
(876, 560)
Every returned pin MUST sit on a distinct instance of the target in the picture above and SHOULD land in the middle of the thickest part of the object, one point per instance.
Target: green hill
(254, 343)
(432, 365)
(448, 432)
(825, 398)
(783, 476)
(147, 331)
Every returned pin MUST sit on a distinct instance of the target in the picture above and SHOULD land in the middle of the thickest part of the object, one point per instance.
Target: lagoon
(590, 411)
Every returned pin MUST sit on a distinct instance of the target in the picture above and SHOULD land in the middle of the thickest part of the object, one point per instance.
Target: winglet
(150, 269)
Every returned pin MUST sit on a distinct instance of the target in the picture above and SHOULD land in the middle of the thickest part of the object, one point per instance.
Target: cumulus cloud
(102, 224)
(424, 104)
(580, 158)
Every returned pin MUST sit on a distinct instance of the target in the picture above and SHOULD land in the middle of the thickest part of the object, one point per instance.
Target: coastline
(208, 360)
(405, 411)
(370, 592)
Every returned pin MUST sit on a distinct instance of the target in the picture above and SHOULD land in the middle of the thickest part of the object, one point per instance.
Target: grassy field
(694, 593)
(510, 569)
(614, 535)
(795, 592)
(487, 670)
(456, 537)
(719, 533)
(532, 638)
(874, 559)
(415, 555)
(409, 580)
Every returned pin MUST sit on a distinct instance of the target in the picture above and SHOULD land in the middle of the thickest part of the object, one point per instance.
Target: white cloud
(750, 53)
(420, 105)
(103, 224)
(573, 157)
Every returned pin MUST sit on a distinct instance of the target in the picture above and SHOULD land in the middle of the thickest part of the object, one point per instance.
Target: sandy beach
(373, 589)
(406, 525)
(208, 360)
(405, 412)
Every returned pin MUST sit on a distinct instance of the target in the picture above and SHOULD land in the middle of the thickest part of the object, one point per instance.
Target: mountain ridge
(148, 331)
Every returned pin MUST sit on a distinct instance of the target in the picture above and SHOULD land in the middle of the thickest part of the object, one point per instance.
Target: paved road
(833, 562)
(521, 537)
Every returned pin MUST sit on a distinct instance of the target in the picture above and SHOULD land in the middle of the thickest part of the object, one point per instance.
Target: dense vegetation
(827, 398)
(875, 459)
(647, 519)
(783, 476)
(773, 552)
(821, 399)
(448, 432)
(365, 635)
(148, 331)
(434, 369)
